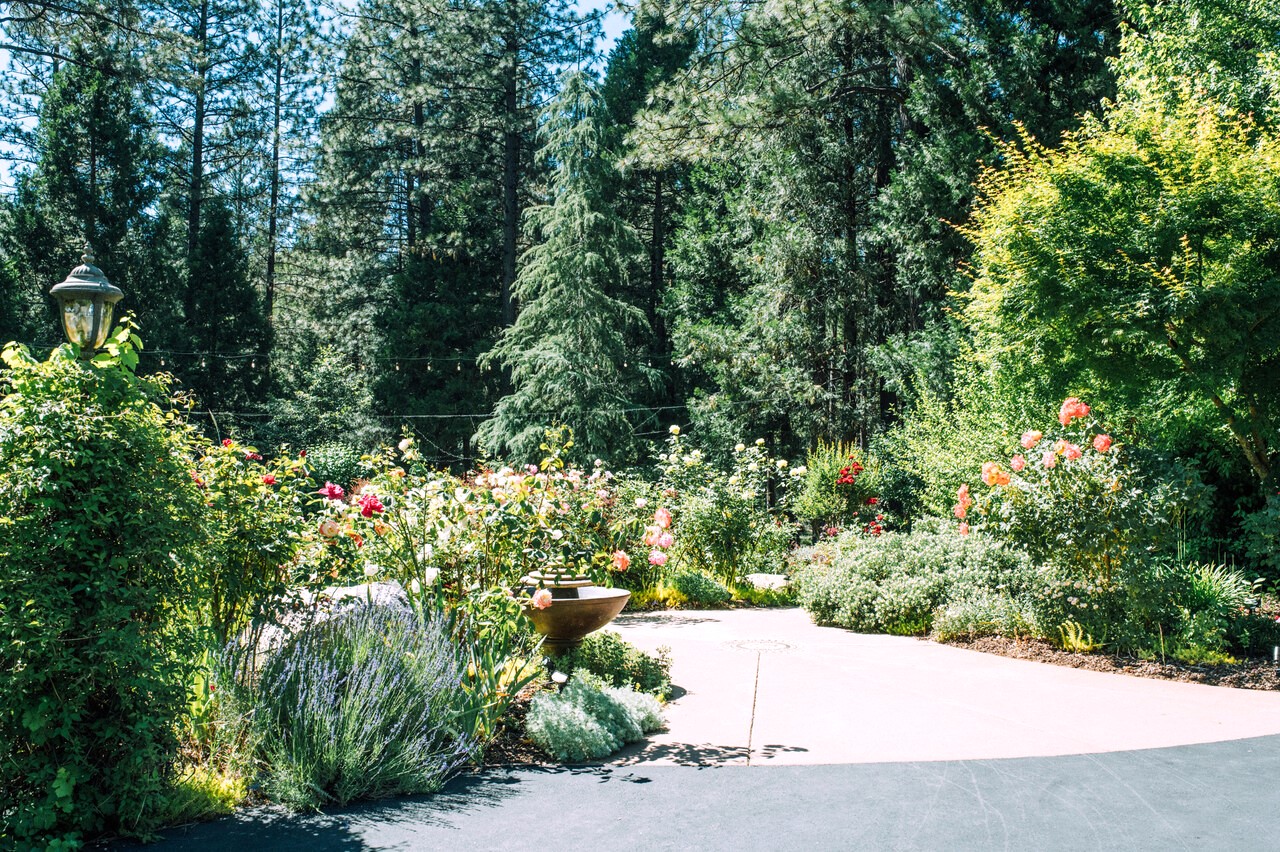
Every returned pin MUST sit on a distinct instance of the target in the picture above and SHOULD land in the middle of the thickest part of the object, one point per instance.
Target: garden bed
(1247, 674)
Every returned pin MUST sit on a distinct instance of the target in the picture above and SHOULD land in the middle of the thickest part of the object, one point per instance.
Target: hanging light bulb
(397, 366)
(253, 363)
(459, 365)
(428, 366)
(161, 360)
(203, 363)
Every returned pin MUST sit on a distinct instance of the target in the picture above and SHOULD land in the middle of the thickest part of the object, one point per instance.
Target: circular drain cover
(760, 645)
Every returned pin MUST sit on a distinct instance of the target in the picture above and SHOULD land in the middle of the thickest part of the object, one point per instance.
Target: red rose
(369, 503)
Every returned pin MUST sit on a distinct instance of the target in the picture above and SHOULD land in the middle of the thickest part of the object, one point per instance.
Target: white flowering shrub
(588, 720)
(728, 523)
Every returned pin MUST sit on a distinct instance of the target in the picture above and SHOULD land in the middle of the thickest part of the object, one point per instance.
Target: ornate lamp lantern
(86, 303)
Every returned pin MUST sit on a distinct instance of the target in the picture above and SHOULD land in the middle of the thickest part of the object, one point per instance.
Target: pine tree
(833, 138)
(568, 351)
(224, 323)
(94, 183)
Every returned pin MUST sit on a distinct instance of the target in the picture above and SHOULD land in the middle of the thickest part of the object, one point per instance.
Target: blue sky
(615, 23)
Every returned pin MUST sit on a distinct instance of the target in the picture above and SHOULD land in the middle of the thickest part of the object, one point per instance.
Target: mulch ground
(1247, 674)
(511, 747)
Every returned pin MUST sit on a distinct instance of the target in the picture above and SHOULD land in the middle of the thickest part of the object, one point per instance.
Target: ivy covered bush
(100, 521)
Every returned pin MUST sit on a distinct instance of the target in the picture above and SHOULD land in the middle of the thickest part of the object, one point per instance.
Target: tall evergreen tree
(647, 198)
(224, 322)
(568, 351)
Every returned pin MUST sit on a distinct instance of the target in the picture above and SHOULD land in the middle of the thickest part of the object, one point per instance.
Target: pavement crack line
(755, 693)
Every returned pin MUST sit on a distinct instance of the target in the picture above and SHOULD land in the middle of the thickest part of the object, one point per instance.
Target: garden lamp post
(86, 302)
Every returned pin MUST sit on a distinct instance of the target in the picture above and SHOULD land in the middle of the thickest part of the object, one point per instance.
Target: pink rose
(1071, 452)
(1031, 438)
(1049, 459)
(964, 528)
(1017, 463)
(662, 518)
(651, 536)
(621, 561)
(993, 474)
(666, 540)
(331, 491)
(541, 599)
(226, 442)
(657, 557)
(1072, 408)
(1102, 443)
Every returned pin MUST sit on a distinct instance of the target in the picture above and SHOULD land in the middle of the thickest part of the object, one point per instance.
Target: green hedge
(99, 517)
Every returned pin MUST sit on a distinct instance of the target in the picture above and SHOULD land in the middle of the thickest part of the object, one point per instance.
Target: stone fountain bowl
(569, 619)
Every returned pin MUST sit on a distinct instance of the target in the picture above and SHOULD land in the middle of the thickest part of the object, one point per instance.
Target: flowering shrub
(726, 523)
(1099, 524)
(840, 491)
(1077, 500)
(255, 513)
(444, 536)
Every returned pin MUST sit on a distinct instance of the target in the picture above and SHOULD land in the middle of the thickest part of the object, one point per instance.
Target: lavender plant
(362, 704)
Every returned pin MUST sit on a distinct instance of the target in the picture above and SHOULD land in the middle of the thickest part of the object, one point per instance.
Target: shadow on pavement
(681, 754)
(664, 619)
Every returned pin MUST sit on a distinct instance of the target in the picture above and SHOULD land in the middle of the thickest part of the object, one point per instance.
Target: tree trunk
(510, 179)
(657, 259)
(196, 184)
(277, 99)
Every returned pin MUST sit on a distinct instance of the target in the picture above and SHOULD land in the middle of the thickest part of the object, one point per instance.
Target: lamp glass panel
(105, 327)
(77, 319)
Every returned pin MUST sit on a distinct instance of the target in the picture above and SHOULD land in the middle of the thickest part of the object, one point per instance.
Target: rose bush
(727, 523)
(1075, 499)
(1101, 521)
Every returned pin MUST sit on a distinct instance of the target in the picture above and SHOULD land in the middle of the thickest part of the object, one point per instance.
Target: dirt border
(1247, 674)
